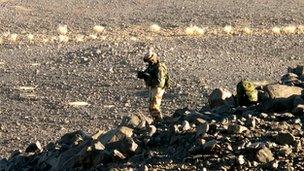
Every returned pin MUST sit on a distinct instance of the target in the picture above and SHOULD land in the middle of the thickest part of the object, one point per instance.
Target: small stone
(202, 129)
(151, 130)
(264, 115)
(186, 126)
(255, 164)
(99, 146)
(34, 148)
(237, 129)
(128, 132)
(28, 96)
(241, 159)
(98, 51)
(251, 122)
(132, 146)
(118, 154)
(209, 145)
(78, 103)
(285, 151)
(97, 134)
(201, 141)
(298, 145)
(298, 110)
(176, 128)
(285, 138)
(265, 155)
(275, 164)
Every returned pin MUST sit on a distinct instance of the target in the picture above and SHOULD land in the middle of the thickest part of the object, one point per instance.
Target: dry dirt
(107, 81)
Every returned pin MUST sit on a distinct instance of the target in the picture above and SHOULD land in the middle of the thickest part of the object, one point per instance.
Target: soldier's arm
(161, 76)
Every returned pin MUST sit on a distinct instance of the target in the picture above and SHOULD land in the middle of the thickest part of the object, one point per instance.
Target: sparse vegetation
(62, 29)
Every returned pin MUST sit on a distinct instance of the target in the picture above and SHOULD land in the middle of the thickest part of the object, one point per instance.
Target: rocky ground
(221, 136)
(102, 72)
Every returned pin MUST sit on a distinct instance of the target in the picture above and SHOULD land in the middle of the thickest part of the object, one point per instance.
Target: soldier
(157, 79)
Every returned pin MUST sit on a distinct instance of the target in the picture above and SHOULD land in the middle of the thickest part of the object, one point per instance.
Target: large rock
(299, 70)
(116, 135)
(264, 155)
(73, 138)
(220, 97)
(280, 97)
(285, 138)
(136, 121)
(127, 146)
(3, 164)
(278, 91)
(69, 158)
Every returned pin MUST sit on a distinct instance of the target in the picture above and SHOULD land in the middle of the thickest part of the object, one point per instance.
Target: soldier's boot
(156, 115)
(154, 109)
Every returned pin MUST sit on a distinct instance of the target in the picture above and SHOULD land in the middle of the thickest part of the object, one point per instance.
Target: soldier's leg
(155, 102)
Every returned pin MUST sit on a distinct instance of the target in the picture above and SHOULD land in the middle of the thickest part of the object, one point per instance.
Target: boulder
(280, 97)
(278, 91)
(220, 97)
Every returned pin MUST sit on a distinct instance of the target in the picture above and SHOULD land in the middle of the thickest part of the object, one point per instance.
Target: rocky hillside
(221, 136)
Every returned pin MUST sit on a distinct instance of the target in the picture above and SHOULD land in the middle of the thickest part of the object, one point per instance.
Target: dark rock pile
(221, 136)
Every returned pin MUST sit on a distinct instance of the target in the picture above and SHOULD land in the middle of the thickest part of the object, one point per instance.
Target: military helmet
(150, 56)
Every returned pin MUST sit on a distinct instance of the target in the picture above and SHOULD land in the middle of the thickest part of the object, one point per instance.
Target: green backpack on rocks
(246, 93)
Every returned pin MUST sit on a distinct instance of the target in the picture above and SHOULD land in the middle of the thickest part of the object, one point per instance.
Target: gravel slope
(108, 80)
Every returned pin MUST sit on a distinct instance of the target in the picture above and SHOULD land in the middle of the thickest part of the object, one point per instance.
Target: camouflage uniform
(157, 79)
(246, 93)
